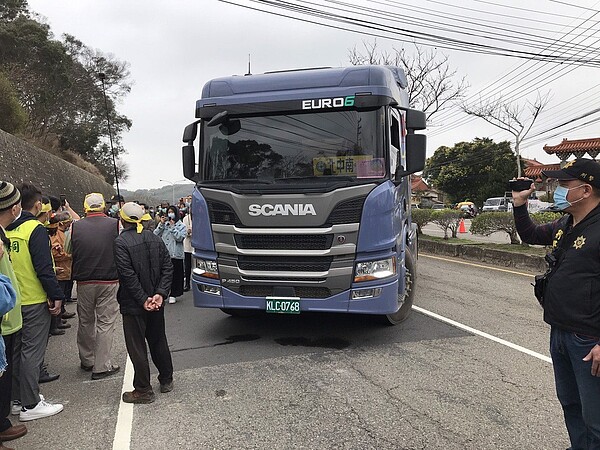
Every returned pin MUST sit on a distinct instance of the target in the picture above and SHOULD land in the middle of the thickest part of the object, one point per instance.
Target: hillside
(153, 197)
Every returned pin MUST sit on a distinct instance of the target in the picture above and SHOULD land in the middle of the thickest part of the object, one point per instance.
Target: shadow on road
(204, 337)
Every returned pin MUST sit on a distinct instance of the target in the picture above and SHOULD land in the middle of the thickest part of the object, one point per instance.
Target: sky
(175, 47)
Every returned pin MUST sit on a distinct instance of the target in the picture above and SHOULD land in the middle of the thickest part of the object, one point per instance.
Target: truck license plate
(280, 306)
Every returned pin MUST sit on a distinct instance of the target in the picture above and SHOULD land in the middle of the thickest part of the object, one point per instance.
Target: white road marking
(122, 439)
(476, 265)
(483, 334)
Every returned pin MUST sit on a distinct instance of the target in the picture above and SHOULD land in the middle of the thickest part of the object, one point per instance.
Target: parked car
(438, 206)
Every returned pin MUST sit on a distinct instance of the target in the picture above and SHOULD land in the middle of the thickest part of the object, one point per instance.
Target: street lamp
(172, 183)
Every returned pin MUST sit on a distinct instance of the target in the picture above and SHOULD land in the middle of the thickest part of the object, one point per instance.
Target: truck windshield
(335, 144)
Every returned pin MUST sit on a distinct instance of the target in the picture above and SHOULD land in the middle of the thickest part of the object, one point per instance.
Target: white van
(497, 204)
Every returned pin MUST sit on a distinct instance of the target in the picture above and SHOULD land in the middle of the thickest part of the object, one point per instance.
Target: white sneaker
(15, 410)
(17, 406)
(172, 300)
(41, 410)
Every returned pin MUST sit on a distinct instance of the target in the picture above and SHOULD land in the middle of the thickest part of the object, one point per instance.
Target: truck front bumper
(386, 302)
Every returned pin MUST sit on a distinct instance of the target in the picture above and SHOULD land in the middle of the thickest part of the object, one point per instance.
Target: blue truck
(302, 196)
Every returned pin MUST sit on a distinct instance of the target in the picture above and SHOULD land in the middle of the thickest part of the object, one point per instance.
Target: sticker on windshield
(370, 168)
(338, 165)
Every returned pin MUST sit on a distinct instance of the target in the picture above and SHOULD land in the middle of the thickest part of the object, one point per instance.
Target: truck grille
(222, 213)
(275, 264)
(348, 211)
(267, 291)
(284, 241)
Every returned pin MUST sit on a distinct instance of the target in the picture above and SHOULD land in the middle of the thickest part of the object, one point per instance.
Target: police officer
(571, 298)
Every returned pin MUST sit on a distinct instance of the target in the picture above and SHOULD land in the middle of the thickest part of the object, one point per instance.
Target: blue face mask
(560, 197)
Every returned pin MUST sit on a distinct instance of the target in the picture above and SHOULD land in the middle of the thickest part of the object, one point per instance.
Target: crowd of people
(119, 257)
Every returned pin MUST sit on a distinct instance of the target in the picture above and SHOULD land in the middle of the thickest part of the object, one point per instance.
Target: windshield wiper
(239, 181)
(327, 179)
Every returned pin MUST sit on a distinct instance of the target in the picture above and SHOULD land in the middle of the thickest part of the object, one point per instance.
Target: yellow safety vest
(12, 320)
(30, 287)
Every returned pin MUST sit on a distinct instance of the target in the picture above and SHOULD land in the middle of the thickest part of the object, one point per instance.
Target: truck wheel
(235, 312)
(405, 299)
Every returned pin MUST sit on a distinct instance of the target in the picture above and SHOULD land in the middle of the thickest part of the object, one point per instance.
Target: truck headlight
(374, 270)
(206, 268)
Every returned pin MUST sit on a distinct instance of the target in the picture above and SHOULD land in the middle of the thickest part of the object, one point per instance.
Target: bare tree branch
(431, 84)
(510, 117)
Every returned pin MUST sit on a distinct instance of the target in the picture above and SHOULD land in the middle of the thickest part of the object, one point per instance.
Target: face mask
(172, 216)
(560, 197)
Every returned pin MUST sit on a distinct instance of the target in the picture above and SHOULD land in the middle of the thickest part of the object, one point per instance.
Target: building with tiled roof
(423, 194)
(577, 148)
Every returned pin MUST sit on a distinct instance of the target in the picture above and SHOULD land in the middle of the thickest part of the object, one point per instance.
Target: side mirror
(415, 120)
(189, 162)
(416, 146)
(190, 132)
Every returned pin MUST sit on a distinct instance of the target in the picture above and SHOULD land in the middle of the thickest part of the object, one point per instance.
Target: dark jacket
(41, 257)
(144, 267)
(572, 296)
(92, 248)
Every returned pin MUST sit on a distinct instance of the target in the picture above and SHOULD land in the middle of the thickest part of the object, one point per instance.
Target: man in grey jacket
(145, 274)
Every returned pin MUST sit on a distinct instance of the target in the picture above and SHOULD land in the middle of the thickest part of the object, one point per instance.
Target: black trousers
(177, 283)
(6, 384)
(187, 263)
(139, 329)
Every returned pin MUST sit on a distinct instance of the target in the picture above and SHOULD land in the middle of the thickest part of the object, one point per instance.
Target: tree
(447, 219)
(421, 217)
(57, 84)
(517, 119)
(10, 9)
(431, 82)
(491, 222)
(12, 115)
(472, 171)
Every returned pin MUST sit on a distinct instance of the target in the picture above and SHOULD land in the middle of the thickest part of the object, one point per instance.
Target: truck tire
(406, 299)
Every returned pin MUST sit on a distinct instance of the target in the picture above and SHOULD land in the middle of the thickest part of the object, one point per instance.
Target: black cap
(583, 169)
(117, 198)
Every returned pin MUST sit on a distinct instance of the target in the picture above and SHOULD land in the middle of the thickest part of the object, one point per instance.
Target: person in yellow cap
(145, 275)
(94, 270)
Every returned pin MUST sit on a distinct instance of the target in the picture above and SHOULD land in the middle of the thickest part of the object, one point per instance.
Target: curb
(474, 252)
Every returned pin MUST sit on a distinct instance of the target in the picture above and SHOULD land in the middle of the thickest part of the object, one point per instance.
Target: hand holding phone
(522, 184)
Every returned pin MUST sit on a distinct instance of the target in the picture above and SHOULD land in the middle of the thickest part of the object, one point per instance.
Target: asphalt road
(332, 381)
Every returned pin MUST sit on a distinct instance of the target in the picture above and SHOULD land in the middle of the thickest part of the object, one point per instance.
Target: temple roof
(535, 172)
(417, 184)
(577, 147)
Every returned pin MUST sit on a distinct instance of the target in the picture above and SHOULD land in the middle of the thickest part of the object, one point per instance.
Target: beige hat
(132, 213)
(94, 202)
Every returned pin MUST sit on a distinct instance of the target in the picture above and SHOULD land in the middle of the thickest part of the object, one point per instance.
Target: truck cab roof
(382, 81)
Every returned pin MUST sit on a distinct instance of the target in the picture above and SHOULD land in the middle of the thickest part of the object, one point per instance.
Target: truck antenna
(249, 73)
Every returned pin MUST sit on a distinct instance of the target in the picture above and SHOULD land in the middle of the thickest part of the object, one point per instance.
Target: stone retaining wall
(475, 252)
(23, 162)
